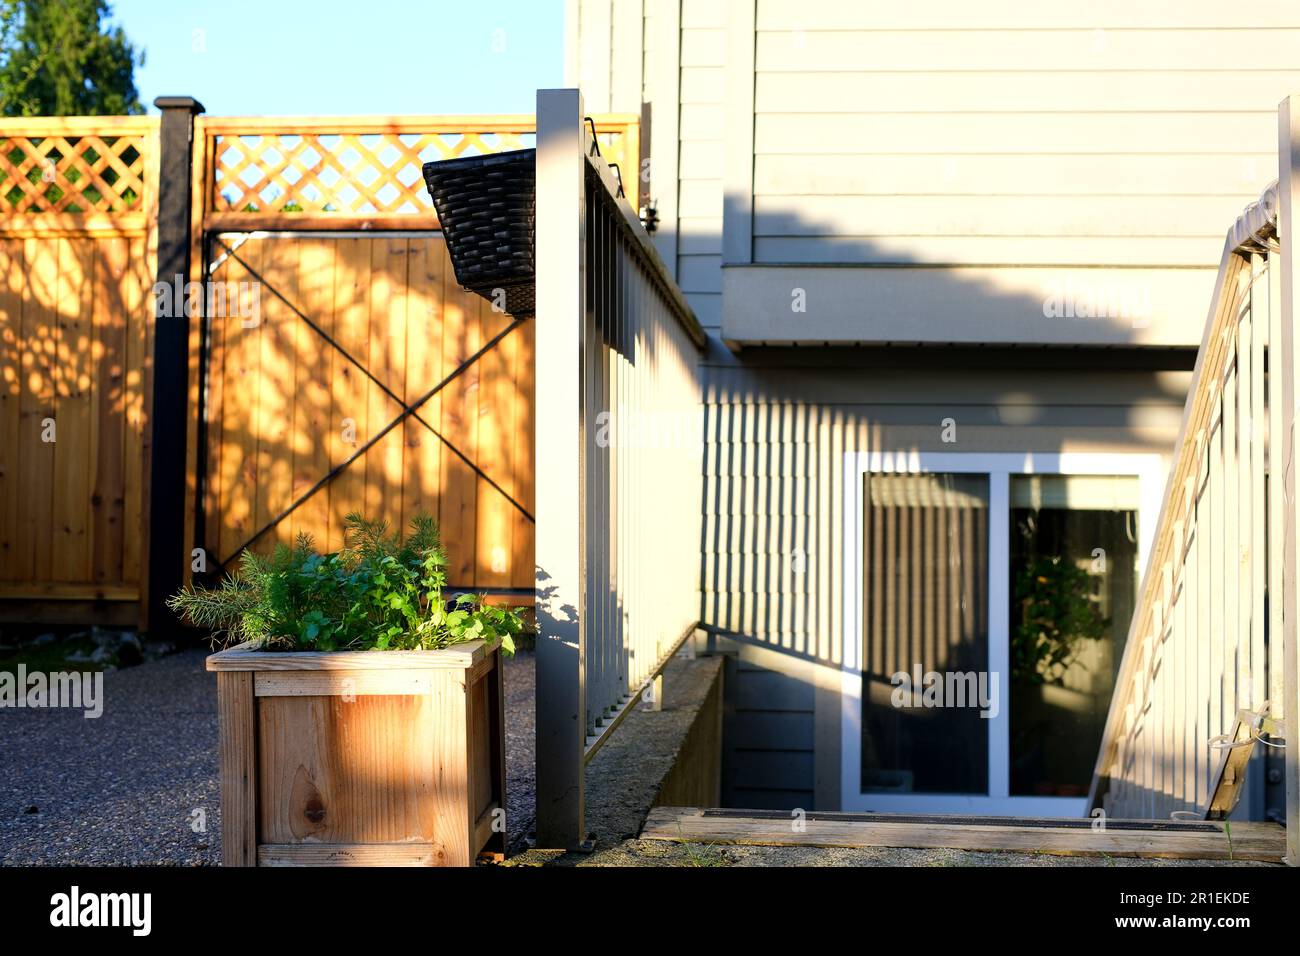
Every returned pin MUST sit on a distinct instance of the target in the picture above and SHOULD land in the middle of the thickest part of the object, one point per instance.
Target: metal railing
(1213, 635)
(619, 438)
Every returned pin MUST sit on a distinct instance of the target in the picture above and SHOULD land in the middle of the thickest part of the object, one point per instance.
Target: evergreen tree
(58, 58)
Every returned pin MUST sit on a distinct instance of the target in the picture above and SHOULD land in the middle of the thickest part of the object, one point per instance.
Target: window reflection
(1074, 578)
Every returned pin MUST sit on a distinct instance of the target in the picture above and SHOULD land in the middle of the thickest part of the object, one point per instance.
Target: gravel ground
(125, 788)
(521, 744)
(121, 788)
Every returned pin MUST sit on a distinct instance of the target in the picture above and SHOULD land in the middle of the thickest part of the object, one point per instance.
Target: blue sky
(328, 57)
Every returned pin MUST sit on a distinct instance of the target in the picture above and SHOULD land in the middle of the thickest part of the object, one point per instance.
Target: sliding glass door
(988, 599)
(1074, 575)
(925, 593)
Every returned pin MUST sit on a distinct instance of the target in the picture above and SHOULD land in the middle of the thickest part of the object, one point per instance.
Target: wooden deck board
(1196, 840)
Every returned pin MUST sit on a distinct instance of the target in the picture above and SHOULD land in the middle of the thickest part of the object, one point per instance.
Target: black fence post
(171, 359)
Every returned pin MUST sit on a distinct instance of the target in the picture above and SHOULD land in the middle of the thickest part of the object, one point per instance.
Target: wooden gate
(327, 222)
(323, 341)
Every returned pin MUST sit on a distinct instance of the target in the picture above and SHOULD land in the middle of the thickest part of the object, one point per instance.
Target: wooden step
(1161, 839)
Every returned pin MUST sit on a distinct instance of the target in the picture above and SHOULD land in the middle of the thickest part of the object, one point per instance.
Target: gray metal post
(558, 464)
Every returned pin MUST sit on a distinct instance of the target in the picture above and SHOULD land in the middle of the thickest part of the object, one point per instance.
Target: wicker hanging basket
(487, 209)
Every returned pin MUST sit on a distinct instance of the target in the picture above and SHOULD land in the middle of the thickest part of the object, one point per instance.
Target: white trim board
(1150, 471)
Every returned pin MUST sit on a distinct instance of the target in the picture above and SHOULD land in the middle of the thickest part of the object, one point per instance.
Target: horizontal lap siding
(699, 172)
(607, 61)
(1099, 134)
(768, 732)
(1016, 15)
(773, 550)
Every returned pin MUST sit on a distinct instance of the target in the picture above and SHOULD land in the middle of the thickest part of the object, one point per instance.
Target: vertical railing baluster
(1259, 322)
(1230, 583)
(1286, 475)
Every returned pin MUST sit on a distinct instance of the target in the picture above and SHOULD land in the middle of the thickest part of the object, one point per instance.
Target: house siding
(921, 185)
(697, 111)
(699, 166)
(1013, 153)
(1088, 146)
(772, 561)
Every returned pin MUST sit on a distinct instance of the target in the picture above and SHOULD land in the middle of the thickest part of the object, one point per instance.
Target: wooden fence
(325, 224)
(367, 326)
(360, 314)
(76, 251)
(1213, 636)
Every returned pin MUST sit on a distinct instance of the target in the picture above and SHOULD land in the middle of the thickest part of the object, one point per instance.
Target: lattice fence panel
(348, 174)
(71, 174)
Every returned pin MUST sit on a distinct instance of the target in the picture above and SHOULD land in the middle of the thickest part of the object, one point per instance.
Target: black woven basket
(487, 209)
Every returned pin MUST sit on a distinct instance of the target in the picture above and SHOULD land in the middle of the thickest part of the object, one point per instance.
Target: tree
(57, 58)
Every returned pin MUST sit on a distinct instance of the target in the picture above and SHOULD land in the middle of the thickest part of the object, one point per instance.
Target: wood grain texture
(109, 391)
(426, 265)
(13, 565)
(245, 658)
(40, 403)
(462, 336)
(347, 854)
(1263, 842)
(340, 683)
(75, 319)
(311, 369)
(286, 407)
(450, 737)
(353, 172)
(238, 755)
(329, 765)
(332, 770)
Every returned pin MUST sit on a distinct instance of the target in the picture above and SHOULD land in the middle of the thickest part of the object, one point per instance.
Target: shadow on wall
(283, 406)
(778, 424)
(73, 361)
(286, 404)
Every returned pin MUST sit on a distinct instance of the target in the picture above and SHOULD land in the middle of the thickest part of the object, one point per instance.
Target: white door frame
(999, 467)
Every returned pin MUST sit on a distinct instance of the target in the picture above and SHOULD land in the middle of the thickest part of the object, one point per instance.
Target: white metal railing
(618, 457)
(1213, 633)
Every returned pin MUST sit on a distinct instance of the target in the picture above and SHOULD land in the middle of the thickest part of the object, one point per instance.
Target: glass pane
(925, 641)
(1074, 577)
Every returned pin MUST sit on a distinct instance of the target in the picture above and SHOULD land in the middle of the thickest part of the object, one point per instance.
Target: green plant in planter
(1056, 611)
(381, 592)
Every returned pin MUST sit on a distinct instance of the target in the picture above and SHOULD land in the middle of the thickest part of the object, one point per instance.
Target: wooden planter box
(360, 758)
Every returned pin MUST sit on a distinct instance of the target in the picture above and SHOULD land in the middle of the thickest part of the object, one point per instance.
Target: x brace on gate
(407, 410)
